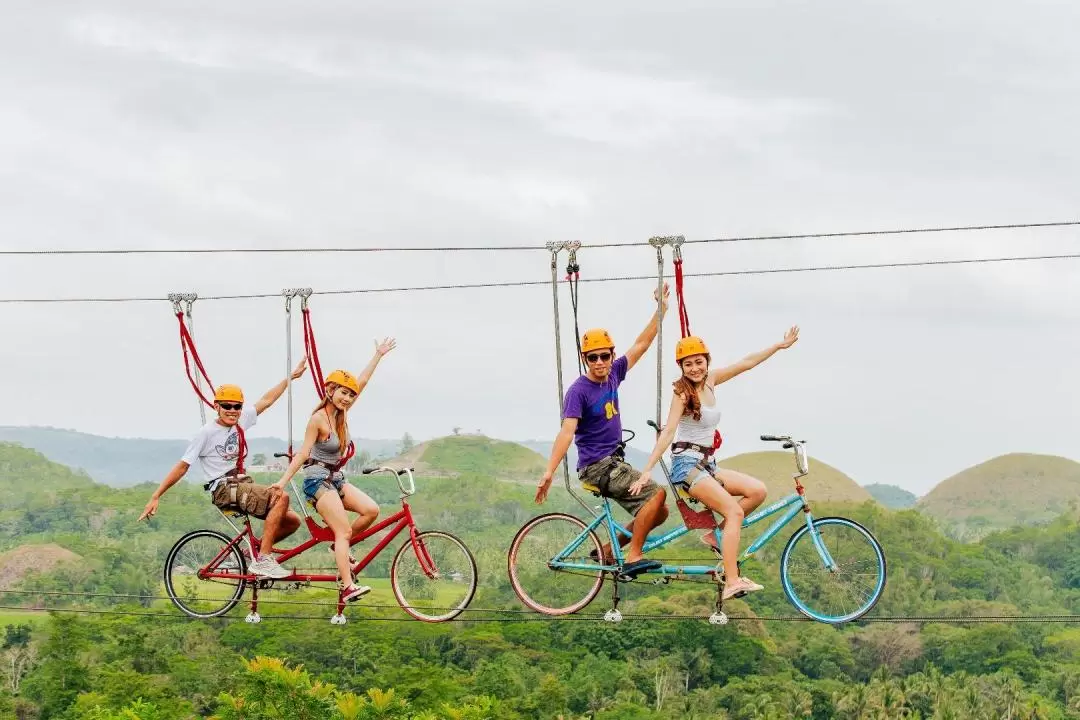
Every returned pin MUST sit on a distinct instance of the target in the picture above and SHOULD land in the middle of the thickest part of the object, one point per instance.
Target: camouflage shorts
(612, 478)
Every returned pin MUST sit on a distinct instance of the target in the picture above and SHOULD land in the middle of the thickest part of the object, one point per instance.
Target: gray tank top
(327, 451)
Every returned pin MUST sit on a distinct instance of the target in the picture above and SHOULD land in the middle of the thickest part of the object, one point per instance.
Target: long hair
(684, 387)
(341, 424)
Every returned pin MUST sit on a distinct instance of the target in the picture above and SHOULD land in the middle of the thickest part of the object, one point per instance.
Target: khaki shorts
(242, 495)
(612, 478)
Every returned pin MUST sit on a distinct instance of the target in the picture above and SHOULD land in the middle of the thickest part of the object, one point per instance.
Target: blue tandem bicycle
(832, 569)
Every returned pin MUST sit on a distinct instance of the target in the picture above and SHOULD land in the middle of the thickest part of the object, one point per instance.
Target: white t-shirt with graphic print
(216, 447)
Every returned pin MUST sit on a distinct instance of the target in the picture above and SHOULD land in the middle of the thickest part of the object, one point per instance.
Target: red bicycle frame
(320, 534)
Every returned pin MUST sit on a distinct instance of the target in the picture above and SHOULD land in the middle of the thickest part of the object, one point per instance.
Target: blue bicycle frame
(793, 501)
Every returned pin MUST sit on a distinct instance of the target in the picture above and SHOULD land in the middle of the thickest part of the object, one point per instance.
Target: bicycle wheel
(435, 572)
(837, 595)
(548, 590)
(194, 555)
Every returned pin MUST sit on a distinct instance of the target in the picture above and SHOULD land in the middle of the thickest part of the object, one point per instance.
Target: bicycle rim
(542, 588)
(824, 595)
(195, 596)
(433, 577)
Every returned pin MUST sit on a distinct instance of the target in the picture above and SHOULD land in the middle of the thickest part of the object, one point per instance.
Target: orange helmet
(345, 379)
(690, 345)
(229, 393)
(596, 339)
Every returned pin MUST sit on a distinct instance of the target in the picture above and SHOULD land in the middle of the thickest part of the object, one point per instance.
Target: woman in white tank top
(692, 433)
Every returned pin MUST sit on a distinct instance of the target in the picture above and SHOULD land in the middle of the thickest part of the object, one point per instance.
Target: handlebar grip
(787, 446)
(405, 471)
(653, 425)
(368, 471)
(769, 438)
(284, 454)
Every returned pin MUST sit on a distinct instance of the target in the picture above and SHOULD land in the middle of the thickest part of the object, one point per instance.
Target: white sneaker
(267, 566)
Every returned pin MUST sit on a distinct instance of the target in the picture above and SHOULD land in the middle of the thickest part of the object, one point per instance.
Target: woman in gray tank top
(323, 455)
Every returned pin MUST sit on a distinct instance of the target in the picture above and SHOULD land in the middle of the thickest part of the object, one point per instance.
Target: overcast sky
(328, 123)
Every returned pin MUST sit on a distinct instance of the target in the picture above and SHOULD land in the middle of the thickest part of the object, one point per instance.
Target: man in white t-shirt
(217, 451)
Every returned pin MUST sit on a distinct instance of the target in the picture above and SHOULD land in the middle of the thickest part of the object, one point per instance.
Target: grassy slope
(1015, 489)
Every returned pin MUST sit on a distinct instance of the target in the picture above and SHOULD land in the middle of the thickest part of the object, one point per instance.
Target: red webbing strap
(349, 452)
(684, 319)
(312, 353)
(242, 449)
(187, 344)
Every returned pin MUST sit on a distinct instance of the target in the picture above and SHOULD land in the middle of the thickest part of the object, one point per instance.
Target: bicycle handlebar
(284, 454)
(789, 444)
(397, 473)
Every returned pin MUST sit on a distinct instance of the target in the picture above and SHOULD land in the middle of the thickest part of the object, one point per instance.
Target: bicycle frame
(793, 503)
(320, 534)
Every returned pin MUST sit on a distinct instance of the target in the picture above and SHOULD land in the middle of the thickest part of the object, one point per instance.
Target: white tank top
(699, 432)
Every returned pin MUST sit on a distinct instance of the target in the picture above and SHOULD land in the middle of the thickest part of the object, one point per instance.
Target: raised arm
(275, 392)
(381, 349)
(645, 339)
(724, 374)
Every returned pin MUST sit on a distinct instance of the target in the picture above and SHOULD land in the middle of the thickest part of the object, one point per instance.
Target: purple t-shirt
(596, 405)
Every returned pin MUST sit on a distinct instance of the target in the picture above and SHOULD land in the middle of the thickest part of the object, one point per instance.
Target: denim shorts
(683, 464)
(320, 482)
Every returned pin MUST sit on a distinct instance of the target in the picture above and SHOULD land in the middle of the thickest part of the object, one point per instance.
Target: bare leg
(275, 527)
(330, 507)
(750, 491)
(651, 514)
(358, 502)
(720, 500)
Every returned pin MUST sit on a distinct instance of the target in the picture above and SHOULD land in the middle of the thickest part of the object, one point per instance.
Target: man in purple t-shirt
(592, 421)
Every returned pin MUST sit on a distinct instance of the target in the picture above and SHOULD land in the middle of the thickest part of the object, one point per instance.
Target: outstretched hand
(382, 348)
(667, 293)
(149, 510)
(301, 368)
(542, 488)
(790, 337)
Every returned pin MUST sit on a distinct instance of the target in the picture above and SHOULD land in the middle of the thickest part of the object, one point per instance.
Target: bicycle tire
(395, 582)
(171, 560)
(805, 608)
(515, 579)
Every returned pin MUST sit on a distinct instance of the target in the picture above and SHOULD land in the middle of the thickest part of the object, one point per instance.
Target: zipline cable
(532, 283)
(521, 248)
(924, 619)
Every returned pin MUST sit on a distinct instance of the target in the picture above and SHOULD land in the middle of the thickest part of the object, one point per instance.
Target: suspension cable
(529, 616)
(554, 248)
(533, 283)
(573, 277)
(533, 248)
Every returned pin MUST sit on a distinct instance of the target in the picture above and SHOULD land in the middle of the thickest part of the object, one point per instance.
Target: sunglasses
(601, 357)
(230, 406)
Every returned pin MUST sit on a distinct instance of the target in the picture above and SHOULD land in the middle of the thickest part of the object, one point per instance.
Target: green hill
(456, 455)
(123, 462)
(891, 496)
(775, 468)
(1014, 489)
